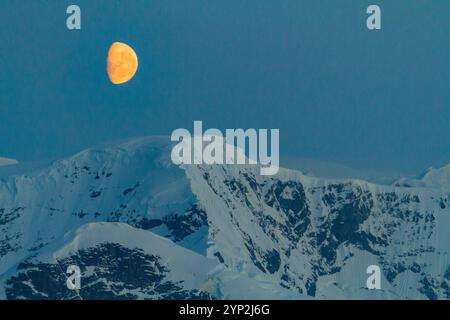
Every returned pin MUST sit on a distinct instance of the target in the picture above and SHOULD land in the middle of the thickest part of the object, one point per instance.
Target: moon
(122, 63)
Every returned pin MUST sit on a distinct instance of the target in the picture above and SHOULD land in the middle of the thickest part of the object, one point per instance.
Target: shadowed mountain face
(113, 272)
(295, 235)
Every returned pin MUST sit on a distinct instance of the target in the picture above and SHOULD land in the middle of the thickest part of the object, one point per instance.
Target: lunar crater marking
(122, 63)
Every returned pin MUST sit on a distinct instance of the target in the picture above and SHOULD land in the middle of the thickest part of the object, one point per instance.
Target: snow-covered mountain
(7, 161)
(140, 227)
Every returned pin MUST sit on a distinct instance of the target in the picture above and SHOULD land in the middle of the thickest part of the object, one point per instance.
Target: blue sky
(376, 100)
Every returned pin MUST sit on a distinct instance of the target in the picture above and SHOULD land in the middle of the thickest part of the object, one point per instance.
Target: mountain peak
(436, 178)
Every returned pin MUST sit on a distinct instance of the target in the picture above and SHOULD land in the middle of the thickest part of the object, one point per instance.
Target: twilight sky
(377, 100)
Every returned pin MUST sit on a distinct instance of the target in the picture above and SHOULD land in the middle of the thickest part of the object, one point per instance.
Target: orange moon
(122, 63)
